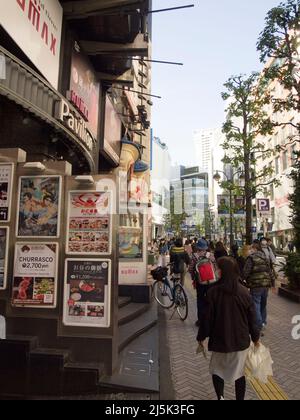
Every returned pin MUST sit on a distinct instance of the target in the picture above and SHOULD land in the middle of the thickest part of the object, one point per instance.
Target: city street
(189, 372)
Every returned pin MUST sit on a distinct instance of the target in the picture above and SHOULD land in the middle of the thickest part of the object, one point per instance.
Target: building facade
(160, 186)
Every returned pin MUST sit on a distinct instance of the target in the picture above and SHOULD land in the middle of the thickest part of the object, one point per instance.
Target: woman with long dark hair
(220, 250)
(229, 322)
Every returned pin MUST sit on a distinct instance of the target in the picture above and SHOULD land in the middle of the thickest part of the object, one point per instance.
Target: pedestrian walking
(200, 252)
(260, 278)
(220, 251)
(239, 258)
(180, 259)
(163, 252)
(229, 322)
(188, 247)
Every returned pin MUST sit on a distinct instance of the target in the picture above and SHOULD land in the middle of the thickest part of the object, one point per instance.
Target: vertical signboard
(87, 293)
(39, 207)
(223, 205)
(35, 275)
(36, 27)
(89, 227)
(4, 235)
(85, 91)
(6, 178)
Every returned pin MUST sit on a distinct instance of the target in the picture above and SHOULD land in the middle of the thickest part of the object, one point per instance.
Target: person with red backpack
(204, 275)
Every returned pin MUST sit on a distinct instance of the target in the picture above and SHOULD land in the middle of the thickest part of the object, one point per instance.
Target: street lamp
(217, 178)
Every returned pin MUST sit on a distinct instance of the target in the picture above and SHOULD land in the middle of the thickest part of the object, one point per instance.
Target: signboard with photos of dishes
(89, 230)
(87, 293)
(35, 275)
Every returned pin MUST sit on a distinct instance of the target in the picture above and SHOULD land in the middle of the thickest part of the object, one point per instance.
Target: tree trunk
(248, 188)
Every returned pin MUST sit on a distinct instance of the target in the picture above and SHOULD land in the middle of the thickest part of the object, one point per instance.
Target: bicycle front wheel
(162, 294)
(181, 302)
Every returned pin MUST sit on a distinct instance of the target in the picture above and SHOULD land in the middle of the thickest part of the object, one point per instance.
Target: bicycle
(167, 295)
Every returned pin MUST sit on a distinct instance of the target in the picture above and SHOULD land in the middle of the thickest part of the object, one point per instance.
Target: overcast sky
(215, 40)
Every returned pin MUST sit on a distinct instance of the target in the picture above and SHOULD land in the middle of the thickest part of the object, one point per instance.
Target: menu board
(89, 223)
(87, 293)
(4, 235)
(39, 207)
(6, 177)
(35, 275)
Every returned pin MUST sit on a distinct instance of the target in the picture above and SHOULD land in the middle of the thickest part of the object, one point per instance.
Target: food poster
(87, 293)
(4, 235)
(39, 207)
(131, 236)
(35, 275)
(89, 223)
(6, 174)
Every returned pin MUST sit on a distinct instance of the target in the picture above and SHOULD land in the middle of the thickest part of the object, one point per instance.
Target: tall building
(189, 194)
(209, 155)
(160, 185)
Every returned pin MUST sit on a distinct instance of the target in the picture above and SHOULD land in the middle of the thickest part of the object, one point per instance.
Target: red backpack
(206, 272)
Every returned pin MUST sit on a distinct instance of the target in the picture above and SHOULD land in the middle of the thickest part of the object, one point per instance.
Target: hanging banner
(35, 275)
(4, 235)
(89, 228)
(239, 207)
(224, 205)
(87, 293)
(6, 177)
(39, 207)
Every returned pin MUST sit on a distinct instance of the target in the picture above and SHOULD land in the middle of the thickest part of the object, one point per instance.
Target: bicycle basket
(159, 273)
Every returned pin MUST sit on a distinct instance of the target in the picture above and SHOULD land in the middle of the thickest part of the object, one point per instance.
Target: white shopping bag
(259, 363)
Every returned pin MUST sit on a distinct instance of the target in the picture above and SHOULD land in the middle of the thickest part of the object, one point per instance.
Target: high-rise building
(160, 185)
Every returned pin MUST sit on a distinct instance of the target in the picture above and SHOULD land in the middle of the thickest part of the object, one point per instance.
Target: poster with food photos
(35, 275)
(87, 293)
(6, 177)
(39, 207)
(4, 235)
(89, 223)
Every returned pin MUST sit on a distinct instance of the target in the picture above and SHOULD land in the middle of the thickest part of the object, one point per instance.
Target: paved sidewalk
(190, 375)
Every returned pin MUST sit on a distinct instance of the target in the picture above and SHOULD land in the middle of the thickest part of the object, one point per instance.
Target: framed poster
(6, 179)
(87, 293)
(89, 225)
(35, 275)
(131, 237)
(4, 237)
(39, 207)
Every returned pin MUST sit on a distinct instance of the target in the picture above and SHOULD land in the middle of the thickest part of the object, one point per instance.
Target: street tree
(247, 119)
(278, 45)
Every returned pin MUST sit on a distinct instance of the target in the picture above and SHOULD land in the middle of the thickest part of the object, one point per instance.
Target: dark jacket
(230, 319)
(179, 257)
(258, 272)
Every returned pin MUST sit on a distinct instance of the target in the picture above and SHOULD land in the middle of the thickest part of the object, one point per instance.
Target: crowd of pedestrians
(232, 289)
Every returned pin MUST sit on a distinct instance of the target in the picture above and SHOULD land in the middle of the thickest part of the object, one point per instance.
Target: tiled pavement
(190, 376)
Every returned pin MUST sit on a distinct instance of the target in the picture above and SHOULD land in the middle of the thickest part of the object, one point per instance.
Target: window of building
(284, 161)
(277, 165)
(272, 192)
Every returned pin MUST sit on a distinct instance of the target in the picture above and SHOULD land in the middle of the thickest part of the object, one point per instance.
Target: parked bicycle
(167, 294)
